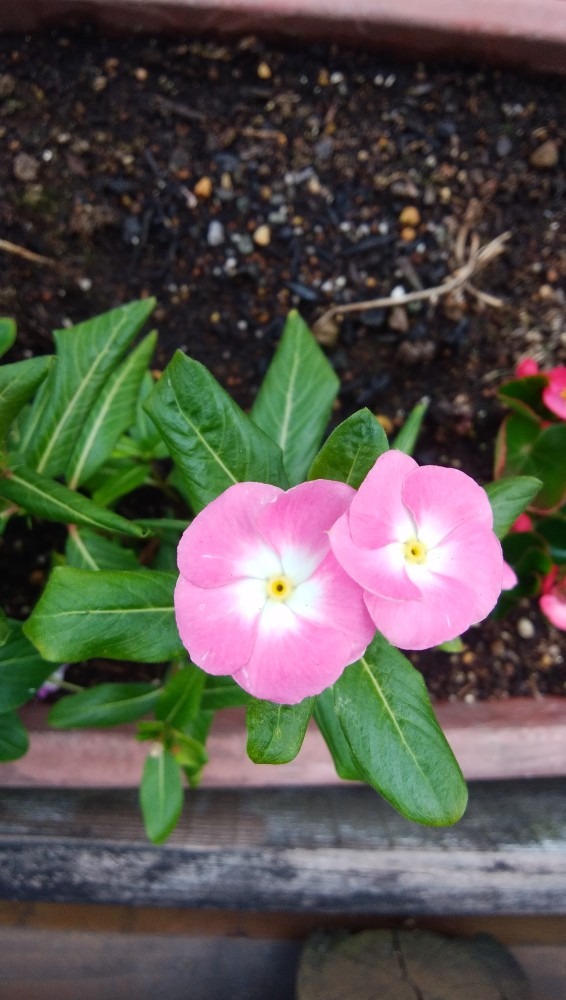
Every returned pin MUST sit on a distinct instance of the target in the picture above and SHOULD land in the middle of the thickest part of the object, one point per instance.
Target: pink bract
(420, 542)
(553, 600)
(554, 394)
(261, 596)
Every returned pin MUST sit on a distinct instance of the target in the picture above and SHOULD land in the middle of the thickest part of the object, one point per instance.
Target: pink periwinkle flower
(553, 600)
(554, 394)
(262, 597)
(526, 367)
(522, 523)
(509, 578)
(420, 542)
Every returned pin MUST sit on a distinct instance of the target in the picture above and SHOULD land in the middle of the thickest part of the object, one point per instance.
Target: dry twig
(471, 259)
(19, 251)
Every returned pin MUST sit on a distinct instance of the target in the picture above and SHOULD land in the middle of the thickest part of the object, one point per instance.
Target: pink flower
(553, 600)
(420, 542)
(554, 394)
(526, 367)
(261, 596)
(510, 578)
(523, 523)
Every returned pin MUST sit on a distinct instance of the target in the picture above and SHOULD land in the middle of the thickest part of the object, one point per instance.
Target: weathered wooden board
(325, 850)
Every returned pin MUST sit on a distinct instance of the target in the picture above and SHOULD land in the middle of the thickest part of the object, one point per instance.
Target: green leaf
(18, 383)
(553, 530)
(452, 646)
(117, 614)
(508, 498)
(112, 414)
(351, 450)
(104, 705)
(524, 395)
(276, 732)
(295, 400)
(327, 721)
(87, 354)
(161, 794)
(51, 500)
(187, 751)
(22, 670)
(7, 334)
(212, 442)
(144, 432)
(407, 437)
(180, 699)
(526, 449)
(14, 742)
(87, 550)
(399, 748)
(223, 692)
(5, 629)
(113, 482)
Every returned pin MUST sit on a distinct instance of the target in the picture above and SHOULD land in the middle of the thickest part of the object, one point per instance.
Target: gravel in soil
(234, 182)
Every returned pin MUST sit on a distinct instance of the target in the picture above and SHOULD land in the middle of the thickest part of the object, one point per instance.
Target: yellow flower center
(562, 394)
(279, 588)
(414, 551)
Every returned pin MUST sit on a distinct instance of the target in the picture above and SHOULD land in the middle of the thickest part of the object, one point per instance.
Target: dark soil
(235, 182)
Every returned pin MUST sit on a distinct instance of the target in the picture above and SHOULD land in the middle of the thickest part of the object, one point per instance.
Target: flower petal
(218, 626)
(379, 570)
(443, 614)
(555, 609)
(296, 525)
(554, 394)
(378, 514)
(332, 599)
(472, 555)
(441, 499)
(294, 658)
(222, 544)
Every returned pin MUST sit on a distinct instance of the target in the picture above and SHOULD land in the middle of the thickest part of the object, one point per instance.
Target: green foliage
(295, 400)
(161, 794)
(22, 670)
(351, 450)
(276, 732)
(18, 383)
(407, 437)
(329, 725)
(87, 355)
(120, 614)
(48, 499)
(526, 448)
(508, 498)
(396, 742)
(14, 742)
(104, 705)
(112, 415)
(7, 334)
(212, 442)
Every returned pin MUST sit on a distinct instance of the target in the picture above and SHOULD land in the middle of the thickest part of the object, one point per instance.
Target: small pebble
(25, 167)
(545, 157)
(398, 319)
(141, 74)
(503, 146)
(203, 187)
(7, 85)
(215, 233)
(410, 216)
(408, 234)
(262, 236)
(264, 71)
(525, 628)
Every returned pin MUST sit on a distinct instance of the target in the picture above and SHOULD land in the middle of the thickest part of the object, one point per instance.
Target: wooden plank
(328, 850)
(522, 737)
(56, 965)
(513, 32)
